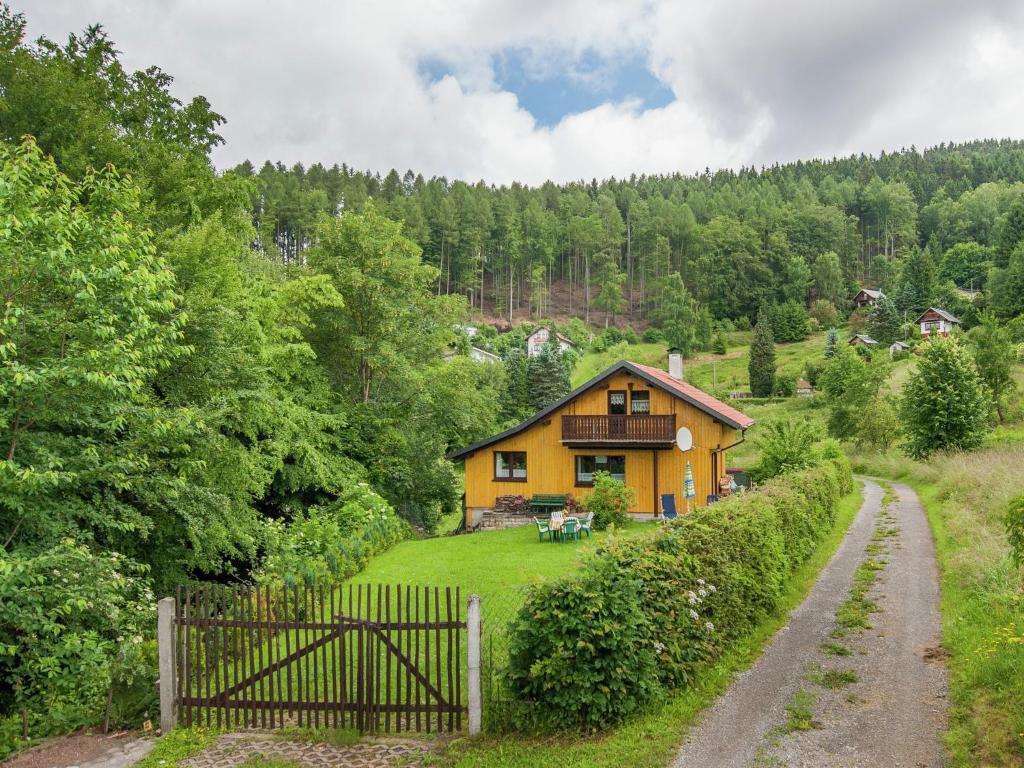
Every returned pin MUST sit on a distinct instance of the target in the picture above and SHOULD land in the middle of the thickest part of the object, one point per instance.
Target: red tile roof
(693, 393)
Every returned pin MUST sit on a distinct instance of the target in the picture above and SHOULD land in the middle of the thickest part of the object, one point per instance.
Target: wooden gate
(373, 658)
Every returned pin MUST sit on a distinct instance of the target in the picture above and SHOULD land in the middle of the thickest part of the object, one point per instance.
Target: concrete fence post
(165, 646)
(473, 646)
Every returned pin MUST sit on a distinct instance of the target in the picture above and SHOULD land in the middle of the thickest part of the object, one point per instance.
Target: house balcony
(641, 430)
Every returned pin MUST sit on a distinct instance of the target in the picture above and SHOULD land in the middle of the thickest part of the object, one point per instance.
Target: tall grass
(966, 497)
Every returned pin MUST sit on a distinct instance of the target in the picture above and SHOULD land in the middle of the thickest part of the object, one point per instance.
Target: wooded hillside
(814, 229)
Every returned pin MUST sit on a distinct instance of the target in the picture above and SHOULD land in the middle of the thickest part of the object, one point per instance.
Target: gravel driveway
(883, 703)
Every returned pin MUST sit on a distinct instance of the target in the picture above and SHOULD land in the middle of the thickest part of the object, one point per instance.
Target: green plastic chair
(543, 529)
(571, 530)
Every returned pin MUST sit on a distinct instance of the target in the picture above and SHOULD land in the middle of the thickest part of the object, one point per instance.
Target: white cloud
(754, 82)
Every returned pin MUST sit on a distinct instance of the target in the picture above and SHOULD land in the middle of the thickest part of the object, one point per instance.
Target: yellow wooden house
(623, 421)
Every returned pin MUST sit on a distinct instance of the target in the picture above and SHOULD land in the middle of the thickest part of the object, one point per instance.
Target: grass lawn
(497, 565)
(650, 741)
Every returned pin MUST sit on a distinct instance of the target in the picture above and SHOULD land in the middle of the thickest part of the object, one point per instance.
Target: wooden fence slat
(437, 652)
(236, 647)
(187, 612)
(350, 655)
(305, 664)
(419, 724)
(315, 665)
(408, 652)
(271, 643)
(225, 657)
(252, 657)
(260, 642)
(360, 715)
(178, 653)
(206, 646)
(458, 662)
(387, 656)
(426, 639)
(213, 663)
(451, 689)
(376, 662)
(285, 614)
(368, 660)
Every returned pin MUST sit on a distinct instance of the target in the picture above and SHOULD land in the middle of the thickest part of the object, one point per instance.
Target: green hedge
(648, 611)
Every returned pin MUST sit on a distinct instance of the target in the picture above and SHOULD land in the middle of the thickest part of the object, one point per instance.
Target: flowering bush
(72, 624)
(673, 596)
(583, 651)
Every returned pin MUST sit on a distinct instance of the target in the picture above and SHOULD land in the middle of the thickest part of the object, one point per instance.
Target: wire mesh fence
(498, 610)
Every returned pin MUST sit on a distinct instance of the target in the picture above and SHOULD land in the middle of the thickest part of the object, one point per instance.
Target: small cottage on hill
(937, 321)
(866, 298)
(863, 340)
(536, 341)
(623, 421)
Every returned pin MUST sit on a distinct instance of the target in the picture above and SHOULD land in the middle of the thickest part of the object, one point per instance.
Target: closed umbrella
(691, 491)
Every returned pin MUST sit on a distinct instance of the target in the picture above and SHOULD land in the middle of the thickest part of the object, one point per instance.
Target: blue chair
(668, 506)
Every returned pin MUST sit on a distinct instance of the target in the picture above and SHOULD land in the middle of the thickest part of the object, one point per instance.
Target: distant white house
(483, 356)
(937, 321)
(897, 347)
(536, 341)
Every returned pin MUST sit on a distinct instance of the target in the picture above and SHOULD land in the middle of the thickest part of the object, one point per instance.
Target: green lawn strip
(650, 741)
(177, 746)
(854, 614)
(986, 671)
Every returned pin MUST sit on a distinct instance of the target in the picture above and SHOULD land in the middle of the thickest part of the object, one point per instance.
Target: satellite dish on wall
(684, 439)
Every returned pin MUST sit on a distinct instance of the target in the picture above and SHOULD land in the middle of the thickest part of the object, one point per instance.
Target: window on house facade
(640, 403)
(617, 402)
(586, 466)
(510, 466)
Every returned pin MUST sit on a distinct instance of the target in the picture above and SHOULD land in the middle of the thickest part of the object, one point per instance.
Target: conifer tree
(548, 376)
(516, 404)
(762, 357)
(916, 287)
(1012, 232)
(884, 321)
(831, 341)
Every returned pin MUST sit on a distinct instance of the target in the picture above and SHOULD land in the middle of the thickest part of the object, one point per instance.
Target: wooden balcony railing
(619, 429)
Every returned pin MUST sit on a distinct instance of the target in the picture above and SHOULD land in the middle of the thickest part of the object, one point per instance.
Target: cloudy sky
(565, 89)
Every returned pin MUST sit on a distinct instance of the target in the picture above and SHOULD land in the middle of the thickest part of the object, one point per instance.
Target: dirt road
(855, 679)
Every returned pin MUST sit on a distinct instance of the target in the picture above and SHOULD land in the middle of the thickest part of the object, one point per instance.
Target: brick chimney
(675, 364)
